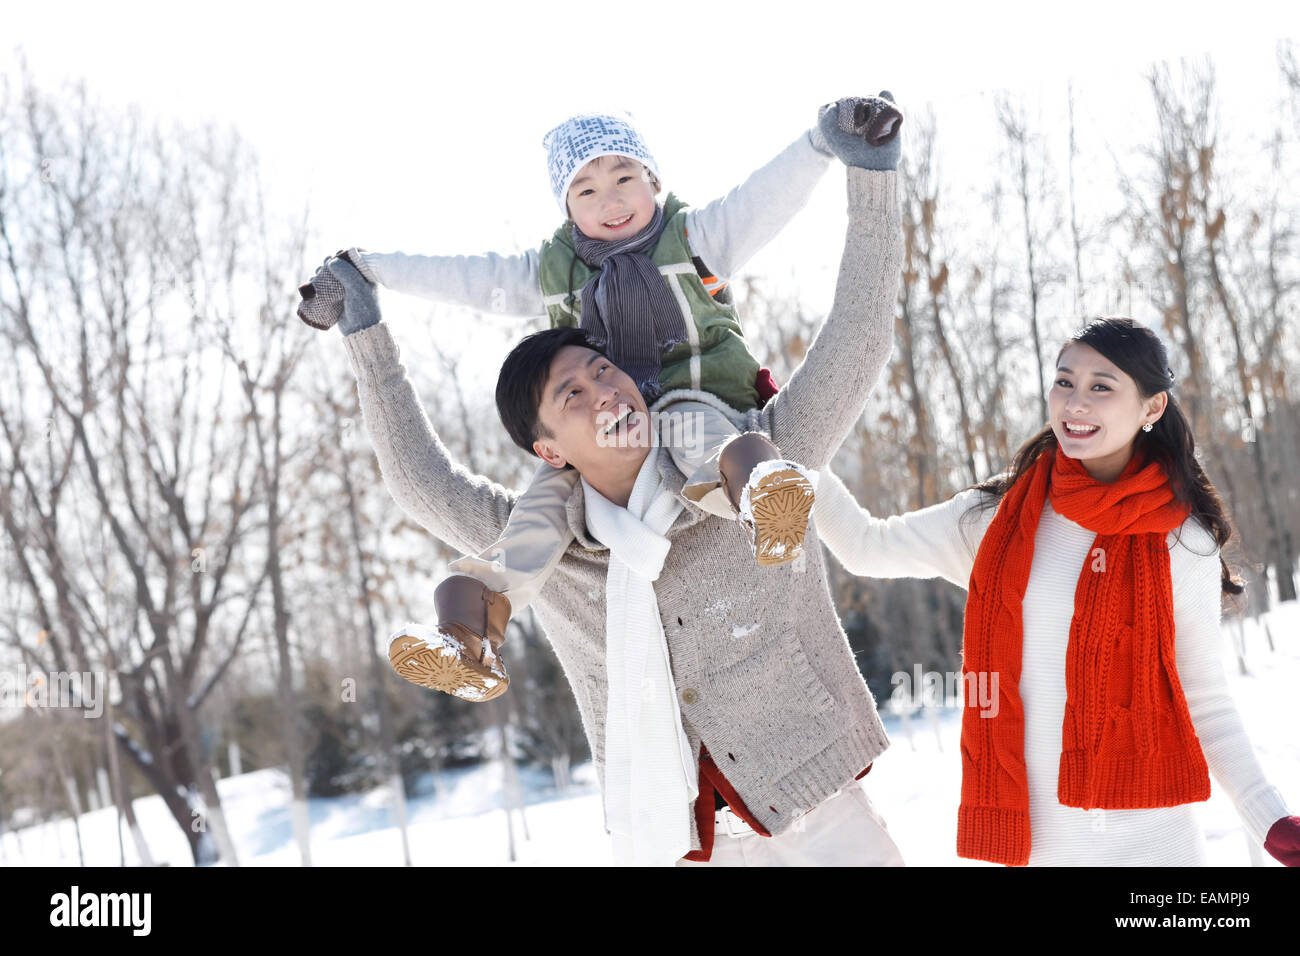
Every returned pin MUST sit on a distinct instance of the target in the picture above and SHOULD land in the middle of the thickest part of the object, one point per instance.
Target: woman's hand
(862, 131)
(1283, 841)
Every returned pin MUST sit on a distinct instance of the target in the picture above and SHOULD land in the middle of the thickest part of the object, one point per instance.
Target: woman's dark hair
(1138, 352)
(523, 376)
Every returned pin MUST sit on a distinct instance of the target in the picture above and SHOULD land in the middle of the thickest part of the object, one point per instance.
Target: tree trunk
(70, 792)
(390, 760)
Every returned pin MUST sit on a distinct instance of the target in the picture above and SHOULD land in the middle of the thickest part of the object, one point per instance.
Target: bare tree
(922, 450)
(390, 760)
(1076, 239)
(134, 421)
(1171, 221)
(1039, 218)
(1213, 219)
(265, 385)
(1290, 69)
(993, 393)
(921, 187)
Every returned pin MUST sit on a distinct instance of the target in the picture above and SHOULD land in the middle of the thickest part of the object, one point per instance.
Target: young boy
(647, 283)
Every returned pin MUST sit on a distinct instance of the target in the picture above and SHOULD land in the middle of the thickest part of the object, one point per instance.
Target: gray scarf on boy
(627, 307)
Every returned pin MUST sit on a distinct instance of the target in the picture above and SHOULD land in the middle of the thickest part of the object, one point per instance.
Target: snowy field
(915, 785)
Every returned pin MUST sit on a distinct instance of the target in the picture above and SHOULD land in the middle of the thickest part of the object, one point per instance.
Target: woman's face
(1097, 410)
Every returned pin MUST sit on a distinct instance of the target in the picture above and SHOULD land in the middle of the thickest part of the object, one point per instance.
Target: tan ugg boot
(455, 657)
(773, 497)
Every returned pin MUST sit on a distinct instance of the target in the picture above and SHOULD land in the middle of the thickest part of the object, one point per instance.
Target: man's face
(612, 197)
(596, 417)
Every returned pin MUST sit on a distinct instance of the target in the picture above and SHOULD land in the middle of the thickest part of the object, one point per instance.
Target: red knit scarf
(1128, 741)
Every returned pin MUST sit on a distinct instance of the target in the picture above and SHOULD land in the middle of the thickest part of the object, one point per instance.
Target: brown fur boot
(772, 497)
(461, 656)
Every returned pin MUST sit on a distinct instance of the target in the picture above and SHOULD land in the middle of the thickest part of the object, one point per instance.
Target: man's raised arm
(810, 416)
(465, 510)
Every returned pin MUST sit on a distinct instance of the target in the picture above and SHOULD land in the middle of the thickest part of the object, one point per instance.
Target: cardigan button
(689, 695)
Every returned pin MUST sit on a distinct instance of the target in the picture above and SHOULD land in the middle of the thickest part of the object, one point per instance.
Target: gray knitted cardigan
(764, 673)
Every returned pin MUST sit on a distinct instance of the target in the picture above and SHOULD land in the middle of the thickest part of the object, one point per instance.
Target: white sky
(417, 127)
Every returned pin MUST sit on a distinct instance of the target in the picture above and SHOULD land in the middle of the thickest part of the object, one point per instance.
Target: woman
(1092, 566)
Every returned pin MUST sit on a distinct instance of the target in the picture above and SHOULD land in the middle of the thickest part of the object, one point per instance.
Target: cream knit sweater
(937, 542)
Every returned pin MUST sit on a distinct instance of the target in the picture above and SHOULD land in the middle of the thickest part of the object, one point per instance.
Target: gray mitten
(322, 296)
(361, 298)
(322, 299)
(862, 130)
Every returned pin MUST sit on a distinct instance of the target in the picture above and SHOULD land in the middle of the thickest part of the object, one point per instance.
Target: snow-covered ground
(915, 785)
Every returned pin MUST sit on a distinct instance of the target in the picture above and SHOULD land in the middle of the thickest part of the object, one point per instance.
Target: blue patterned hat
(582, 138)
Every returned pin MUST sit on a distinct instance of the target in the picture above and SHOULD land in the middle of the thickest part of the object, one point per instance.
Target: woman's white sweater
(938, 542)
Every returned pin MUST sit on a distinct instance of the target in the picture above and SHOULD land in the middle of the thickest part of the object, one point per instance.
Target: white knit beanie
(580, 139)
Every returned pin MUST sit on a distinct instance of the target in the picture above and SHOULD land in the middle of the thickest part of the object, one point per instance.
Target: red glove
(1283, 841)
(766, 386)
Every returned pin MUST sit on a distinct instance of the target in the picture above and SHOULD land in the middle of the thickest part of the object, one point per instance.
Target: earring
(1147, 427)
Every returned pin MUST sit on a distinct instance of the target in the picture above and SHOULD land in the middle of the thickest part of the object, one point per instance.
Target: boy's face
(596, 417)
(612, 197)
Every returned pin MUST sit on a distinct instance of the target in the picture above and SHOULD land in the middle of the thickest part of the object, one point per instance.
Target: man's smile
(623, 414)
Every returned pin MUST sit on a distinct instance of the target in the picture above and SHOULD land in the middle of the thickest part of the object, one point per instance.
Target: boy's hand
(361, 305)
(862, 131)
(322, 295)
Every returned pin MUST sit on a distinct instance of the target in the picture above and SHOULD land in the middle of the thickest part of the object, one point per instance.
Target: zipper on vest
(692, 332)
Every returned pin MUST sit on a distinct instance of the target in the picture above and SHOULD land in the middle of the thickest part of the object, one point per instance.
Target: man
(694, 669)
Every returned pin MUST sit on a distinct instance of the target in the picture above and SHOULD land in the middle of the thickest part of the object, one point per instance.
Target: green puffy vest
(713, 359)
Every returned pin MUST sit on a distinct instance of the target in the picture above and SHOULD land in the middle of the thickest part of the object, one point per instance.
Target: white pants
(842, 830)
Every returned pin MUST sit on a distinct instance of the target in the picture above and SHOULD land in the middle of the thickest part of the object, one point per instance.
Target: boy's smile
(612, 197)
(617, 223)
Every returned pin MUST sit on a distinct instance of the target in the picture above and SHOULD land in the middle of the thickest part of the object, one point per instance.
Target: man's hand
(361, 299)
(862, 131)
(356, 257)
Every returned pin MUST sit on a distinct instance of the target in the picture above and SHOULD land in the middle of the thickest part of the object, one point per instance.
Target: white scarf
(650, 782)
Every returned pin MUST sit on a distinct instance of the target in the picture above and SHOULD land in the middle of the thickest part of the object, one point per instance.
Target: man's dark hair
(523, 376)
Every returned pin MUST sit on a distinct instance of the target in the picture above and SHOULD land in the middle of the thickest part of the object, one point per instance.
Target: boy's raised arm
(727, 232)
(490, 282)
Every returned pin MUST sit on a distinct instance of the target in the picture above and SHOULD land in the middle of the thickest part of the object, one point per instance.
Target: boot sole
(439, 661)
(780, 506)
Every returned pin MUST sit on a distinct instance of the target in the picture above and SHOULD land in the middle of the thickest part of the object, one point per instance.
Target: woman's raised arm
(933, 542)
